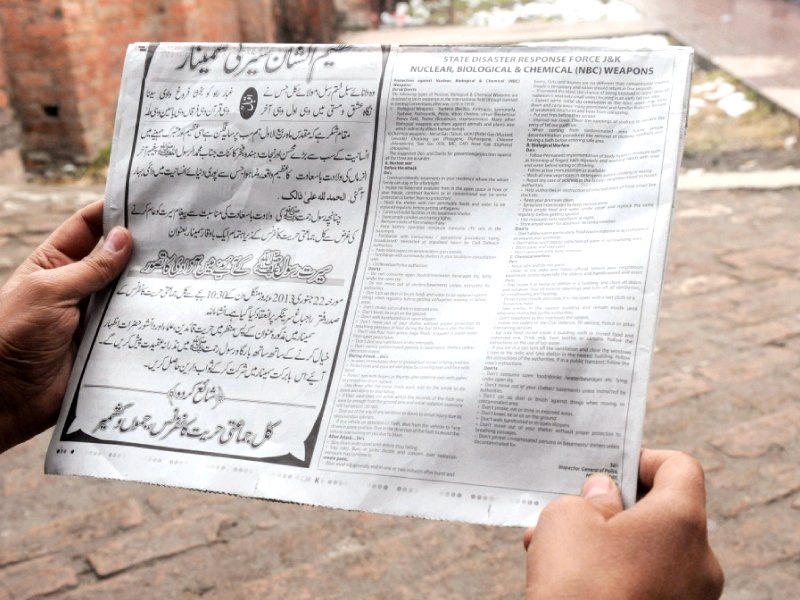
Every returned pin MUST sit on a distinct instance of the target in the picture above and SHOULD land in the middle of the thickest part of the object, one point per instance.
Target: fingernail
(597, 485)
(115, 240)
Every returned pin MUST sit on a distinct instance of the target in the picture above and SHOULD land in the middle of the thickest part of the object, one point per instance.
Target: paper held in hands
(410, 280)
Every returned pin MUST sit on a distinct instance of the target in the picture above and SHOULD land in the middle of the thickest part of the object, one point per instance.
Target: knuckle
(690, 520)
(39, 286)
(99, 267)
(49, 257)
(100, 263)
(691, 467)
(710, 580)
(559, 507)
(716, 579)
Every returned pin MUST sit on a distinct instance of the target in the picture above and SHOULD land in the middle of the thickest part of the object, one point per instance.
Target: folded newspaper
(409, 280)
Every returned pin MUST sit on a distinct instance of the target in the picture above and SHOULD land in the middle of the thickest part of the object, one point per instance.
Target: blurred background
(725, 384)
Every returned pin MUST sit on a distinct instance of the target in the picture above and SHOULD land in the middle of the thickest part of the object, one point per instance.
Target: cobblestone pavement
(725, 387)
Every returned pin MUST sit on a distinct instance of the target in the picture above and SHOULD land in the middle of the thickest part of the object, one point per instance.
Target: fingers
(603, 494)
(671, 473)
(600, 500)
(73, 240)
(527, 537)
(716, 578)
(79, 279)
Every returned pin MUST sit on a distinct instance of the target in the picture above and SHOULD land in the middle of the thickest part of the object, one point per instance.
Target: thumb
(84, 277)
(603, 494)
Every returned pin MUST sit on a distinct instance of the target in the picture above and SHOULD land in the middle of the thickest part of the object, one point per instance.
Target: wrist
(595, 581)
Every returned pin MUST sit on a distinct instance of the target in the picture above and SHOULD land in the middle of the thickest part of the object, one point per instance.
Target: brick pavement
(725, 386)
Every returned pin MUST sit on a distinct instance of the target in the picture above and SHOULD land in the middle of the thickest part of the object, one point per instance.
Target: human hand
(40, 314)
(589, 547)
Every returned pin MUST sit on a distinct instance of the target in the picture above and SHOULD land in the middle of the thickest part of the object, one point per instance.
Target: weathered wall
(64, 57)
(10, 162)
(257, 21)
(37, 61)
(306, 21)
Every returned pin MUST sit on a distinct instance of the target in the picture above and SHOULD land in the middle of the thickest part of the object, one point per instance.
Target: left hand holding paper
(40, 316)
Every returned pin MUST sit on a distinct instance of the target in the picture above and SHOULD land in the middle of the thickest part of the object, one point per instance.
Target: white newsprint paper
(409, 280)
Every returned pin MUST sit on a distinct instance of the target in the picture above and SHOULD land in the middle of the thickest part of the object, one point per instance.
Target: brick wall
(36, 59)
(10, 164)
(257, 21)
(9, 130)
(306, 21)
(64, 57)
(97, 32)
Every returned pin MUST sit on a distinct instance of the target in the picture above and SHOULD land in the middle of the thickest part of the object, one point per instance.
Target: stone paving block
(687, 355)
(735, 491)
(763, 302)
(42, 227)
(173, 502)
(673, 388)
(72, 530)
(784, 288)
(774, 582)
(745, 401)
(485, 575)
(756, 310)
(755, 437)
(11, 229)
(167, 539)
(296, 533)
(693, 308)
(37, 578)
(128, 586)
(707, 211)
(772, 537)
(759, 273)
(702, 284)
(769, 255)
(20, 481)
(21, 454)
(34, 239)
(378, 570)
(746, 366)
(776, 331)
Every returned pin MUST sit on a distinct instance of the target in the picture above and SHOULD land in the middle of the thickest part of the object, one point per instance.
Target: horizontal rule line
(411, 478)
(141, 391)
(200, 121)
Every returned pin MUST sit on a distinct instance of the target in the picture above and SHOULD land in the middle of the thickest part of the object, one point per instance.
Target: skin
(40, 316)
(589, 547)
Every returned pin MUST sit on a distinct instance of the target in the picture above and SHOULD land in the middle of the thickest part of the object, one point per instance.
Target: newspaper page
(408, 280)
